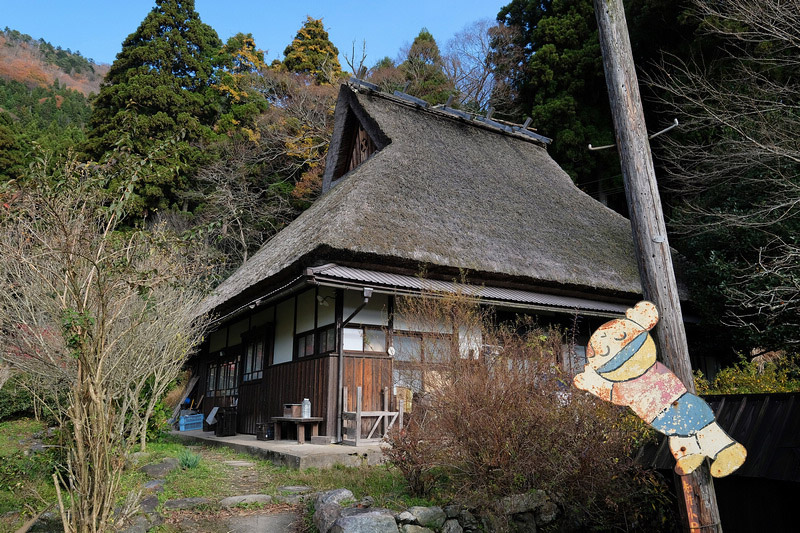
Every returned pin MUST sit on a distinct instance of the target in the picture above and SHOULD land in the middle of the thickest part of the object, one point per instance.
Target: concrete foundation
(289, 453)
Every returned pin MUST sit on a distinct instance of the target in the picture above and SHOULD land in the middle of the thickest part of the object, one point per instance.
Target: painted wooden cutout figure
(622, 369)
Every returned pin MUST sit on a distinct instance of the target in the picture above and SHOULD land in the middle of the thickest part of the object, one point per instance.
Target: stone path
(263, 522)
(279, 515)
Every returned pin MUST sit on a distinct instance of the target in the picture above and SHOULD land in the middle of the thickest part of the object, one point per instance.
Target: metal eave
(332, 275)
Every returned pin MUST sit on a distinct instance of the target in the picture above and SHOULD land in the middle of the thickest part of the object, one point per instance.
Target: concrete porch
(289, 453)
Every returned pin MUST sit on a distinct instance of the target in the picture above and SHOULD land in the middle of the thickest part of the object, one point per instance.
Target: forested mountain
(37, 63)
(44, 99)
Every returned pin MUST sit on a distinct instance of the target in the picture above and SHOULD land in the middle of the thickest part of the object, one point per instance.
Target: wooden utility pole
(650, 235)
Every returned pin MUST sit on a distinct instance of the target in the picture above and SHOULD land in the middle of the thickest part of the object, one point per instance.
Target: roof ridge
(519, 131)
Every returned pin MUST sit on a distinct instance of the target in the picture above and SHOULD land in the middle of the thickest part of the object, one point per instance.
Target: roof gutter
(267, 298)
(402, 291)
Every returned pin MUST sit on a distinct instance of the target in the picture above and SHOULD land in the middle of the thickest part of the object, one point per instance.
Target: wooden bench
(300, 423)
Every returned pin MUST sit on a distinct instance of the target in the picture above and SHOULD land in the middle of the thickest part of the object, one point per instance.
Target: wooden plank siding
(260, 400)
(371, 373)
(313, 378)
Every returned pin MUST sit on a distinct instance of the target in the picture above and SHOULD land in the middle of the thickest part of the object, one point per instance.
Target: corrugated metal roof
(338, 275)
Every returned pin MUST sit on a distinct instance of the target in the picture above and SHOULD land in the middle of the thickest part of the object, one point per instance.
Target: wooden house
(407, 188)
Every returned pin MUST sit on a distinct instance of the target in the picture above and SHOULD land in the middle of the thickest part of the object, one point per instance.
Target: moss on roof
(447, 192)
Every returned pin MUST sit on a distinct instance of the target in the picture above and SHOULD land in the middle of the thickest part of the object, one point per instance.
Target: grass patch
(26, 485)
(207, 480)
(212, 478)
(12, 432)
(384, 483)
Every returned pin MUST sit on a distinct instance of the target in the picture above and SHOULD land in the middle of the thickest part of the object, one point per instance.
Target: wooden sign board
(622, 369)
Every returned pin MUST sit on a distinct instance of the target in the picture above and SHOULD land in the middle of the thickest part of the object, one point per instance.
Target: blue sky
(96, 28)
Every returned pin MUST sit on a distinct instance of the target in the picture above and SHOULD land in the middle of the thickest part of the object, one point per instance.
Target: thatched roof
(454, 195)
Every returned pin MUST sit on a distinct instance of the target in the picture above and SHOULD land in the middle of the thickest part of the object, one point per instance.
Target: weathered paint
(622, 369)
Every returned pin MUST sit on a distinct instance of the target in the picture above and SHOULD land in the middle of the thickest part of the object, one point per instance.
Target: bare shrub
(499, 418)
(100, 318)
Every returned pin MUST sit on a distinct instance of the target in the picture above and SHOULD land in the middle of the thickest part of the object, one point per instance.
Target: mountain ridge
(37, 63)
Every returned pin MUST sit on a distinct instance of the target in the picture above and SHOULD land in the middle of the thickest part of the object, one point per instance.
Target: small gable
(356, 137)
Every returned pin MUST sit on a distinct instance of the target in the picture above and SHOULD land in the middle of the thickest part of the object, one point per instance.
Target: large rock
(524, 522)
(48, 521)
(264, 523)
(139, 524)
(431, 517)
(547, 513)
(148, 504)
(356, 520)
(522, 503)
(156, 485)
(292, 494)
(325, 515)
(452, 526)
(336, 496)
(413, 528)
(468, 521)
(451, 511)
(160, 470)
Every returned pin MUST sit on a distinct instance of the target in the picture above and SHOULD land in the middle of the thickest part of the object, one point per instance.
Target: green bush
(780, 374)
(15, 400)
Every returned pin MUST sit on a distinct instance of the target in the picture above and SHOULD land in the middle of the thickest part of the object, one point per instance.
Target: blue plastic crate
(191, 422)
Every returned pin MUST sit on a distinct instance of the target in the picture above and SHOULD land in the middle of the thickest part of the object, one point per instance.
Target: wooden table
(300, 423)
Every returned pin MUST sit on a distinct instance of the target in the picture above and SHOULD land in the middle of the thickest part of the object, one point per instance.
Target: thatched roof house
(408, 190)
(446, 195)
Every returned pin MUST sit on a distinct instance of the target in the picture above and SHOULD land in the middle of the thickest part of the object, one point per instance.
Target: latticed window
(223, 379)
(253, 361)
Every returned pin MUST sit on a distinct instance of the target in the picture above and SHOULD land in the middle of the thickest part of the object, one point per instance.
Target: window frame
(366, 329)
(221, 370)
(417, 369)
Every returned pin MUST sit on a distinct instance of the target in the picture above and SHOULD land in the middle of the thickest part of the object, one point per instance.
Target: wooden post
(650, 234)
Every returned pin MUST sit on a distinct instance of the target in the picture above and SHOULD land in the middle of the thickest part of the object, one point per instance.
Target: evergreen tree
(241, 62)
(11, 153)
(312, 53)
(386, 75)
(52, 117)
(560, 84)
(423, 70)
(158, 99)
